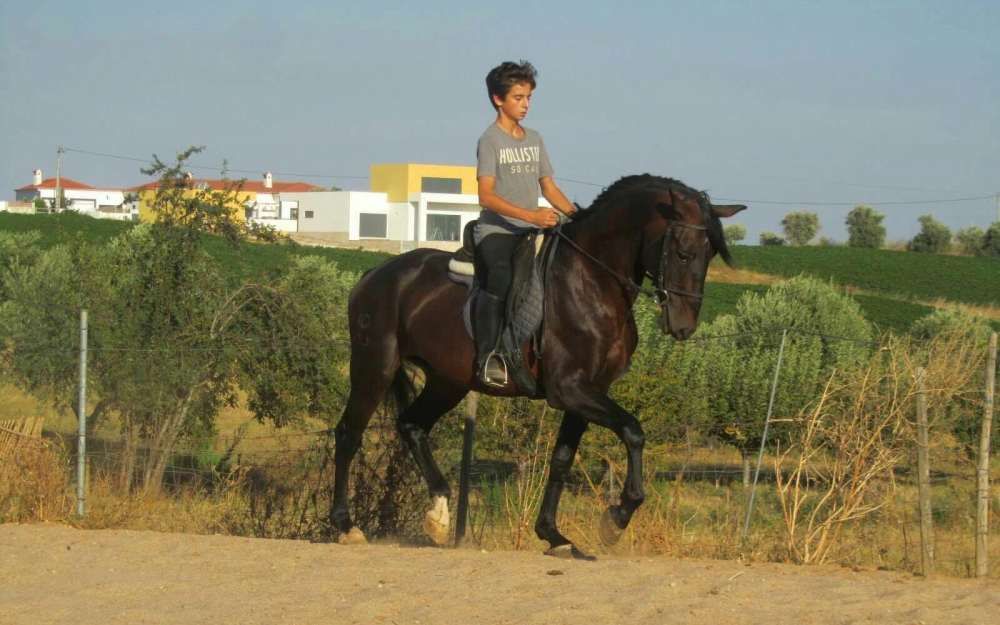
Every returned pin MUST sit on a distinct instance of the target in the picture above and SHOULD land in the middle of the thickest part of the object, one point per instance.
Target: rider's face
(515, 105)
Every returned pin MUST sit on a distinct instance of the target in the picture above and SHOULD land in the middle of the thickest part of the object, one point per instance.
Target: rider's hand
(545, 218)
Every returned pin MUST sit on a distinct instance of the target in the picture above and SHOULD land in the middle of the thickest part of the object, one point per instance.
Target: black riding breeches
(494, 262)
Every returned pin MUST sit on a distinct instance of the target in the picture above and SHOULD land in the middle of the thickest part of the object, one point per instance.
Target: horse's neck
(612, 236)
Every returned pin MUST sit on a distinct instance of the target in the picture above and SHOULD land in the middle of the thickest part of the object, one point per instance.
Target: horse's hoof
(352, 537)
(569, 552)
(437, 522)
(609, 531)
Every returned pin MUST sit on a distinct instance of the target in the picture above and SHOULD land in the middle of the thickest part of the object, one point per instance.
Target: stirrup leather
(494, 372)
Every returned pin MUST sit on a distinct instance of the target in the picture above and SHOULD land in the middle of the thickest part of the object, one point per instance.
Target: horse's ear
(578, 207)
(727, 210)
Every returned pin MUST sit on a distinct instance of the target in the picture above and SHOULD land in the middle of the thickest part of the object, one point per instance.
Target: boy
(512, 165)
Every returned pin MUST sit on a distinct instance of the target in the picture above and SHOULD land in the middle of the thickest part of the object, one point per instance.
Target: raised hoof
(609, 531)
(569, 552)
(352, 537)
(437, 524)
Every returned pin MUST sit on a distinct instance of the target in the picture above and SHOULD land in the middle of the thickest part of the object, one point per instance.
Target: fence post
(81, 446)
(468, 439)
(983, 468)
(924, 478)
(763, 438)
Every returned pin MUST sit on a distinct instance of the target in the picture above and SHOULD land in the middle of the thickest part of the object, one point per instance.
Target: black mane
(610, 196)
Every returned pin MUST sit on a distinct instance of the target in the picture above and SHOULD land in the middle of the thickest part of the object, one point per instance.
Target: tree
(172, 339)
(991, 242)
(864, 227)
(934, 237)
(769, 238)
(734, 233)
(800, 227)
(971, 240)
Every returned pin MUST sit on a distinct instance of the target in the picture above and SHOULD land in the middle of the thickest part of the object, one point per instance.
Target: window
(373, 226)
(441, 185)
(444, 228)
(293, 213)
(309, 214)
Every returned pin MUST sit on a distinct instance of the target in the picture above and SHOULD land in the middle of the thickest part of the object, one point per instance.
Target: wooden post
(924, 479)
(468, 439)
(983, 468)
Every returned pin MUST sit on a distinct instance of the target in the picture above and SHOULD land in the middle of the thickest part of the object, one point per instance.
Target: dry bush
(34, 483)
(845, 451)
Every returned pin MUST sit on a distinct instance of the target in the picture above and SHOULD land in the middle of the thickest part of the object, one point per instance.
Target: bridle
(661, 293)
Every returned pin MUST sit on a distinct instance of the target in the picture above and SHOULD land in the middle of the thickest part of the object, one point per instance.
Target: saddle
(524, 308)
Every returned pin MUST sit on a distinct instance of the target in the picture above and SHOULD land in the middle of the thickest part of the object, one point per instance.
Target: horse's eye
(685, 258)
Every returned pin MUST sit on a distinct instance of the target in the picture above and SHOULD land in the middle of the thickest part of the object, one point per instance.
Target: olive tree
(934, 237)
(864, 227)
(800, 227)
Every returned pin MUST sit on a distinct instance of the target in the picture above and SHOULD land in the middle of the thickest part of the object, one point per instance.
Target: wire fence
(210, 457)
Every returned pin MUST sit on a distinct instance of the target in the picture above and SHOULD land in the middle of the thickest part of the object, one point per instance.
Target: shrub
(864, 227)
(769, 238)
(970, 240)
(800, 228)
(991, 242)
(34, 484)
(951, 321)
(934, 237)
(734, 233)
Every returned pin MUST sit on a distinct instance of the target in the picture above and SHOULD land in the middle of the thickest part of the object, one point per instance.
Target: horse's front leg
(598, 408)
(572, 428)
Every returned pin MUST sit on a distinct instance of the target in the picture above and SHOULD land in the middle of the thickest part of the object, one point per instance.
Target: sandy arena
(57, 574)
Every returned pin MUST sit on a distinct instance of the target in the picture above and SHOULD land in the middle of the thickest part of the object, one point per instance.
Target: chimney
(268, 181)
(37, 179)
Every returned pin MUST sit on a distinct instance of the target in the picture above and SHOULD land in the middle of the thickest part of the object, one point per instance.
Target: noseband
(662, 292)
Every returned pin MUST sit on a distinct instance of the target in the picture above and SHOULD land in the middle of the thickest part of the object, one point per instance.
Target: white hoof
(352, 537)
(437, 522)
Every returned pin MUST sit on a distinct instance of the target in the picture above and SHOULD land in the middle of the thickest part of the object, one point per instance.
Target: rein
(660, 294)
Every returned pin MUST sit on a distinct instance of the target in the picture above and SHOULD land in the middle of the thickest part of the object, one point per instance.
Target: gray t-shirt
(517, 165)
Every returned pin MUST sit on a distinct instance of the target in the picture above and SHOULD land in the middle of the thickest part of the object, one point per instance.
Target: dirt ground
(57, 574)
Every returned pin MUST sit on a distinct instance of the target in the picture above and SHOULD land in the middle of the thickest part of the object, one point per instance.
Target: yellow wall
(146, 199)
(399, 180)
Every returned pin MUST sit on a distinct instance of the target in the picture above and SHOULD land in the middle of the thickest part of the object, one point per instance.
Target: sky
(783, 106)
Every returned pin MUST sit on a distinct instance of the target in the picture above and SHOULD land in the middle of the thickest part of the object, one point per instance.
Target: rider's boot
(490, 366)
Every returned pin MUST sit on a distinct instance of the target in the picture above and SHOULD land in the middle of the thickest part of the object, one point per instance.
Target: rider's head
(505, 76)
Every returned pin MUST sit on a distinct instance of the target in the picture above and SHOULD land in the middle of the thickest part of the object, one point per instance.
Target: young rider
(513, 166)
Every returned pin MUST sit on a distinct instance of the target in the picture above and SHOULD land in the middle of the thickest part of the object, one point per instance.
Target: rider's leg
(495, 273)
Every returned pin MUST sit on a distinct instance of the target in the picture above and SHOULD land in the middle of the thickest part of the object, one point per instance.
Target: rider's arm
(488, 199)
(555, 196)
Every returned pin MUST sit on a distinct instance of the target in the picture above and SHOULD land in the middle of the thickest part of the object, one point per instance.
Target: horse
(641, 226)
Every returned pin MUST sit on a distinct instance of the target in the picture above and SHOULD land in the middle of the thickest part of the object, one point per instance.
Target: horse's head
(678, 244)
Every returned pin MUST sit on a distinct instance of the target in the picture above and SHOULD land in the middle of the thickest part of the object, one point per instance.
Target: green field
(240, 262)
(896, 274)
(926, 277)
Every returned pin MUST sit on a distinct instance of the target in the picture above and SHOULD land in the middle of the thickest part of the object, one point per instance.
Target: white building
(106, 203)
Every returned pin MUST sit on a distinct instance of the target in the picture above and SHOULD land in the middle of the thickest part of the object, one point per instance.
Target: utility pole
(58, 201)
(997, 198)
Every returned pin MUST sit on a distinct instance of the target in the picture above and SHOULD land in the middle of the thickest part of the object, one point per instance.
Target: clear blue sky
(779, 101)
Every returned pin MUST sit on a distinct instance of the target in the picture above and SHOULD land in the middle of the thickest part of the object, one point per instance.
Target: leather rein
(662, 292)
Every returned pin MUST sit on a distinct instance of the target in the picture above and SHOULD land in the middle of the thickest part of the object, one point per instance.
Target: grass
(926, 277)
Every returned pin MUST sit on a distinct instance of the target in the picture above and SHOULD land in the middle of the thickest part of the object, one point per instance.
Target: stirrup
(494, 371)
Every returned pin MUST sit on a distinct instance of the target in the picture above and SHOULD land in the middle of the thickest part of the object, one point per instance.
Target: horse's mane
(611, 195)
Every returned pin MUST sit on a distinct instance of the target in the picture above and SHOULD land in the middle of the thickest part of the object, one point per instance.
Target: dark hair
(504, 76)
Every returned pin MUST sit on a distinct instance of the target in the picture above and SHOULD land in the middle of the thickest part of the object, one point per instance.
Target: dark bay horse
(408, 310)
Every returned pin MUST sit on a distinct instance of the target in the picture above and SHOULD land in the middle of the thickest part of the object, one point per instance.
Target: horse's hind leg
(414, 425)
(369, 386)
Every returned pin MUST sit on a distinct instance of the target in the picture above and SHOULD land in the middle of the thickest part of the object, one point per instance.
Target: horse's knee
(633, 436)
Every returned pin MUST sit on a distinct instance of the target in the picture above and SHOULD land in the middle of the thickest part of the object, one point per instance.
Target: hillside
(908, 275)
(895, 283)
